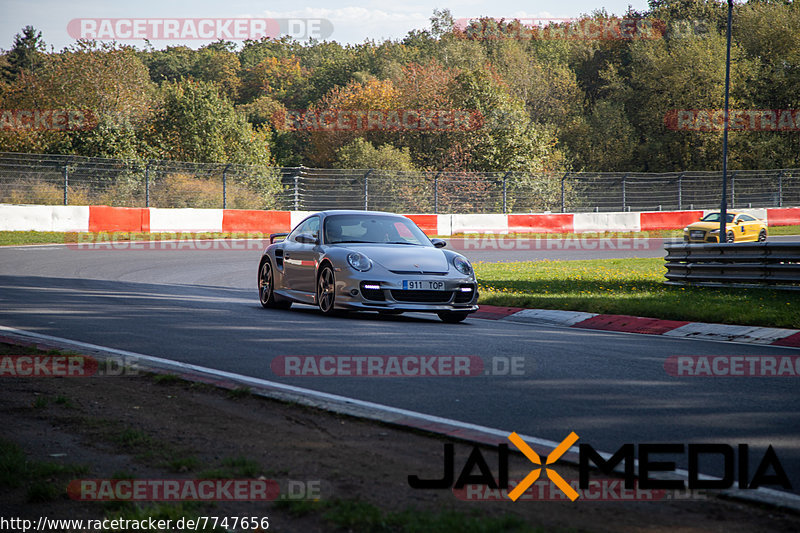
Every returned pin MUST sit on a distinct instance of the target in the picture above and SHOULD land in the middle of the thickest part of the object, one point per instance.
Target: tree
(193, 123)
(26, 54)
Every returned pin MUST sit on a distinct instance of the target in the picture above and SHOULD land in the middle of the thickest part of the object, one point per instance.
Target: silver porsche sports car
(366, 261)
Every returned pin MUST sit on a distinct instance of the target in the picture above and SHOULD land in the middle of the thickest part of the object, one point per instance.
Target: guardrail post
(505, 192)
(366, 189)
(733, 190)
(436, 193)
(225, 186)
(147, 184)
(680, 192)
(563, 196)
(780, 188)
(66, 183)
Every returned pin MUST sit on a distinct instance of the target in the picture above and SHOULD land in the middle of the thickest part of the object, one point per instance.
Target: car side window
(747, 218)
(310, 226)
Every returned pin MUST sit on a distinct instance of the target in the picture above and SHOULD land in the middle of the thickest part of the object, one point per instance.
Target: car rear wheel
(762, 235)
(730, 237)
(452, 317)
(326, 284)
(266, 293)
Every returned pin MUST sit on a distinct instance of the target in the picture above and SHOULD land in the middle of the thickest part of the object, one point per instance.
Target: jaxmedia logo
(211, 29)
(395, 366)
(64, 366)
(713, 120)
(47, 120)
(650, 475)
(728, 366)
(421, 120)
(173, 490)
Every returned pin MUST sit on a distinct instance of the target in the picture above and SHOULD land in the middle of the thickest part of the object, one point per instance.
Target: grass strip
(629, 287)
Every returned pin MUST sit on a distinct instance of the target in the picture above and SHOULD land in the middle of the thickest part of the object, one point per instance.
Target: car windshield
(383, 229)
(714, 217)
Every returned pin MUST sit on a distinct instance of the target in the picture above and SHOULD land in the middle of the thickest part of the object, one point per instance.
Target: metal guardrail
(76, 180)
(757, 264)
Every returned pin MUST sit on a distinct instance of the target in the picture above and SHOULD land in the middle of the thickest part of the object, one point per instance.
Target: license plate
(410, 285)
(697, 234)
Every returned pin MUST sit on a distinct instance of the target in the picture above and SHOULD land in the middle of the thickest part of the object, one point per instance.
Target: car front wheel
(730, 237)
(326, 284)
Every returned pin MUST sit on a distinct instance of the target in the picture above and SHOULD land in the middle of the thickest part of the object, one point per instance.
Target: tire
(731, 237)
(762, 235)
(326, 291)
(266, 284)
(452, 317)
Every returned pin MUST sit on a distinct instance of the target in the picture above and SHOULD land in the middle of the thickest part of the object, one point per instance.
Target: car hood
(403, 257)
(707, 225)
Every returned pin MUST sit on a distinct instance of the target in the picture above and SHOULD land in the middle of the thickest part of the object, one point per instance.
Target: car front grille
(440, 297)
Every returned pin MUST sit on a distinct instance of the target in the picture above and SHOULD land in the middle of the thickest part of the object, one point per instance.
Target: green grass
(629, 287)
(43, 480)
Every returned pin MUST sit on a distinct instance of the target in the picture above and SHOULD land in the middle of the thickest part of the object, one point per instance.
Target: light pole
(723, 211)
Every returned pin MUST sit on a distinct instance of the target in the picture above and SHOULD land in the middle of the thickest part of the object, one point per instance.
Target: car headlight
(686, 228)
(715, 230)
(462, 265)
(359, 261)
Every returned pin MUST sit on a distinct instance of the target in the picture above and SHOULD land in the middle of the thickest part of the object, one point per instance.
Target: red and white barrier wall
(104, 218)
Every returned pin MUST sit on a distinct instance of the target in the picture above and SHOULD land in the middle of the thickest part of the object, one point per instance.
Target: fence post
(147, 184)
(505, 192)
(436, 193)
(624, 193)
(733, 190)
(780, 188)
(225, 186)
(296, 192)
(680, 192)
(66, 183)
(563, 196)
(366, 189)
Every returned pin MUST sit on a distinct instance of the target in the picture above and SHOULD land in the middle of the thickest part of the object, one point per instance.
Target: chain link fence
(75, 180)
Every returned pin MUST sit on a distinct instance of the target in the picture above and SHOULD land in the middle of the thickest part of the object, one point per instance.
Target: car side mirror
(738, 221)
(439, 243)
(305, 238)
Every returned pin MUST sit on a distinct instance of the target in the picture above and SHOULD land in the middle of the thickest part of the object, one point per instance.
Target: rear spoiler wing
(274, 236)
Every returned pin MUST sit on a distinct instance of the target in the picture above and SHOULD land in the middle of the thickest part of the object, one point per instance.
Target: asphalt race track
(201, 307)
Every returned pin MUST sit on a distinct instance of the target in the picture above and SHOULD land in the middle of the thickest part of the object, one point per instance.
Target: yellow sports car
(738, 226)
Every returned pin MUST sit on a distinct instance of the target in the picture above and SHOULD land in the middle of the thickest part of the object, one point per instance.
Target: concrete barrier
(44, 218)
(107, 218)
(585, 222)
(185, 220)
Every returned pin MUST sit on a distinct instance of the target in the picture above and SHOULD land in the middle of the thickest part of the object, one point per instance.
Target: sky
(348, 21)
